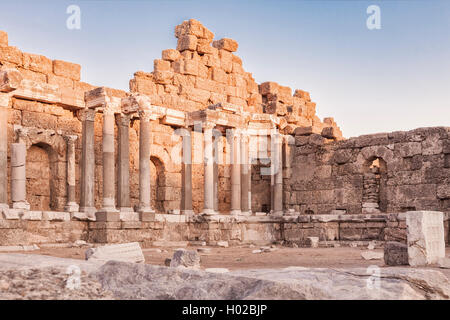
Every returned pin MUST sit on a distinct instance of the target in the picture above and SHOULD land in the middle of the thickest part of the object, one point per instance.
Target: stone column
(108, 212)
(235, 140)
(123, 183)
(208, 184)
(186, 174)
(71, 205)
(245, 176)
(18, 172)
(87, 201)
(217, 153)
(4, 103)
(277, 165)
(146, 212)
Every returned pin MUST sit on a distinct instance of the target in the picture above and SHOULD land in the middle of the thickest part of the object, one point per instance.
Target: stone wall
(172, 229)
(413, 172)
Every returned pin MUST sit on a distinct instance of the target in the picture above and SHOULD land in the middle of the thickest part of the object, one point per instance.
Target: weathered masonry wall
(50, 103)
(175, 228)
(410, 171)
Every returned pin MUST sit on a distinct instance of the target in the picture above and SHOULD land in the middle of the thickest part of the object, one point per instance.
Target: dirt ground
(242, 257)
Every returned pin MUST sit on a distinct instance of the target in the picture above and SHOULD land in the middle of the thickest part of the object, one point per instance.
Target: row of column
(240, 173)
(109, 212)
(240, 170)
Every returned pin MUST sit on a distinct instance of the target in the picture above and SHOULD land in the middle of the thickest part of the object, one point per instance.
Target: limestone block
(67, 69)
(409, 149)
(372, 255)
(11, 54)
(395, 253)
(38, 63)
(10, 80)
(226, 44)
(187, 42)
(161, 65)
(330, 132)
(302, 94)
(3, 39)
(55, 216)
(425, 237)
(127, 252)
(312, 242)
(193, 27)
(185, 259)
(32, 215)
(443, 191)
(163, 77)
(219, 75)
(268, 87)
(171, 55)
(304, 131)
(11, 214)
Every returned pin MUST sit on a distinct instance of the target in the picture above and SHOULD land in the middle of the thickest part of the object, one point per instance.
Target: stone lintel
(38, 91)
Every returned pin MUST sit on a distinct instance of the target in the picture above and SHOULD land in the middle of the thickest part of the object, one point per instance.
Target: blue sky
(395, 78)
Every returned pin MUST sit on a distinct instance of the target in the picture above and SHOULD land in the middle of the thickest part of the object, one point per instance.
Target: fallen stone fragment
(223, 244)
(256, 251)
(395, 254)
(371, 246)
(312, 242)
(426, 243)
(127, 252)
(204, 250)
(372, 255)
(167, 262)
(185, 258)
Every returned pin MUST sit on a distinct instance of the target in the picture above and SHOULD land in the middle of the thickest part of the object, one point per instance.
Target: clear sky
(394, 78)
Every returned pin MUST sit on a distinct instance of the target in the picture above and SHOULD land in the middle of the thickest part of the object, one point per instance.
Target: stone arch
(45, 169)
(165, 181)
(374, 165)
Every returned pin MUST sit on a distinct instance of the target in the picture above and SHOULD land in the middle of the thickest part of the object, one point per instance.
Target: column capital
(5, 98)
(135, 102)
(123, 119)
(86, 114)
(70, 139)
(21, 133)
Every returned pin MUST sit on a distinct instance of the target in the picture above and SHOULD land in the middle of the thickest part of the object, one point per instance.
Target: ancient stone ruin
(198, 151)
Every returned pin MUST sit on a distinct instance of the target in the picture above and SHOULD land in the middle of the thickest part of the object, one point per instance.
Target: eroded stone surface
(425, 237)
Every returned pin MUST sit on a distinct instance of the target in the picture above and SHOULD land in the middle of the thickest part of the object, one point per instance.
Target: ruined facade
(197, 151)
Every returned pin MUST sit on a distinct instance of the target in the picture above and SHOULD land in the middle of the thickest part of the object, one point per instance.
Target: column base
(108, 214)
(75, 215)
(24, 205)
(146, 214)
(246, 213)
(235, 212)
(89, 211)
(126, 209)
(71, 207)
(276, 213)
(187, 212)
(209, 212)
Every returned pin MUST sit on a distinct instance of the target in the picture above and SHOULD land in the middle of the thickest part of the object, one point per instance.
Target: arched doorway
(374, 186)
